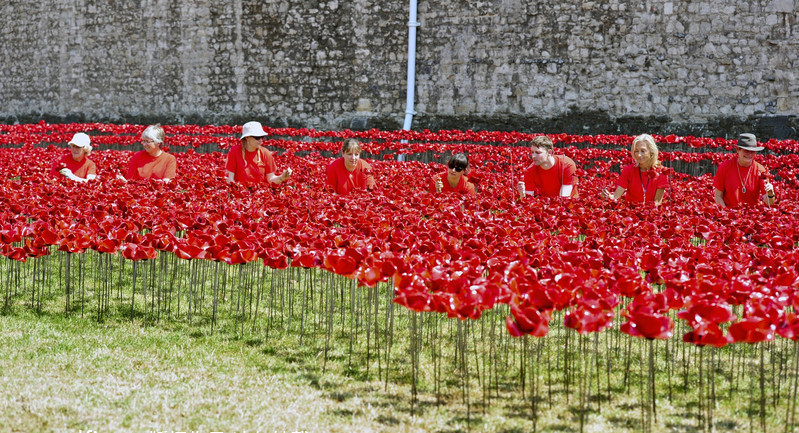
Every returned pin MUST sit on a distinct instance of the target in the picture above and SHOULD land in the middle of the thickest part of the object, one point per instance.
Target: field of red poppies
(687, 271)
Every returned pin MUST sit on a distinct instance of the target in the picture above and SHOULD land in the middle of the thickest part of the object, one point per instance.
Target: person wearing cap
(644, 179)
(76, 164)
(349, 172)
(454, 179)
(742, 180)
(248, 163)
(152, 162)
(549, 175)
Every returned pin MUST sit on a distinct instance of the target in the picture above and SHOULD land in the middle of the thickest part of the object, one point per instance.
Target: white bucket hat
(253, 129)
(81, 140)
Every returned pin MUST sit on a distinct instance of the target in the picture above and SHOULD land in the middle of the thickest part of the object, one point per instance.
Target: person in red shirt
(248, 163)
(76, 164)
(644, 180)
(742, 180)
(350, 171)
(152, 162)
(454, 179)
(549, 175)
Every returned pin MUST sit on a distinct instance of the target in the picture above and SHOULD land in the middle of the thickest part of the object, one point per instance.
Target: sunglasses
(457, 168)
(258, 138)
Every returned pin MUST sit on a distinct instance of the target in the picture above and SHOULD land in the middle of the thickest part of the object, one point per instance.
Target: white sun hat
(253, 129)
(81, 140)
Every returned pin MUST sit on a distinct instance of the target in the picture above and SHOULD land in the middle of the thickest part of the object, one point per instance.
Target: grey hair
(155, 133)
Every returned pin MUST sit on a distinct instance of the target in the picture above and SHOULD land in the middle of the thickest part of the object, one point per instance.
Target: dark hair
(350, 144)
(458, 160)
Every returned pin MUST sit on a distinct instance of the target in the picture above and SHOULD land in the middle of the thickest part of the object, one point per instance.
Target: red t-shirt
(250, 167)
(81, 168)
(463, 186)
(731, 179)
(548, 182)
(636, 182)
(144, 166)
(342, 181)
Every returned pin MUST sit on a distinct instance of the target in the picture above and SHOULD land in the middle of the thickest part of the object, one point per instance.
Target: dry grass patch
(65, 374)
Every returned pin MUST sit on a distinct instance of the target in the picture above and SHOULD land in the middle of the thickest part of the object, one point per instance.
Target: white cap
(253, 129)
(81, 140)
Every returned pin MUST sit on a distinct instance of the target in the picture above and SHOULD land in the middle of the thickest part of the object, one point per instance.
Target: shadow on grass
(388, 420)
(343, 412)
(630, 422)
(253, 342)
(514, 430)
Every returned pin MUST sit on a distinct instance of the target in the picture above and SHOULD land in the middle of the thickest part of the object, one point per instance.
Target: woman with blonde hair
(643, 180)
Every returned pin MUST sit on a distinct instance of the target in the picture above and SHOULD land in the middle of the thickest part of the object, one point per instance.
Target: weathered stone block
(784, 6)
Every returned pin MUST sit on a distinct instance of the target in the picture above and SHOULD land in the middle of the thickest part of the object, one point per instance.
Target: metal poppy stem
(566, 365)
(463, 334)
(308, 273)
(353, 286)
(216, 289)
(627, 362)
(192, 270)
(414, 349)
(389, 333)
(7, 294)
(653, 392)
(535, 383)
(669, 367)
(790, 410)
(751, 398)
(329, 328)
(368, 323)
(99, 285)
(133, 291)
(68, 281)
(712, 381)
(81, 274)
(762, 388)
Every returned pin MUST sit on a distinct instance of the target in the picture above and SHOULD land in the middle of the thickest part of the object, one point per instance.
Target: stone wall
(333, 64)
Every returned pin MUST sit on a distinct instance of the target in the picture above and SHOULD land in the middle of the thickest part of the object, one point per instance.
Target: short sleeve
(171, 167)
(569, 172)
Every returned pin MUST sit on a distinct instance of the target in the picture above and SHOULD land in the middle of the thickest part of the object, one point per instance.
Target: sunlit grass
(209, 346)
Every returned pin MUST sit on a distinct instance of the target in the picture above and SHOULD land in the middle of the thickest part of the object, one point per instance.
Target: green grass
(70, 374)
(299, 349)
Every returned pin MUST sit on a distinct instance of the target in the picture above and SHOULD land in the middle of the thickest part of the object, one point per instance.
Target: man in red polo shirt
(550, 175)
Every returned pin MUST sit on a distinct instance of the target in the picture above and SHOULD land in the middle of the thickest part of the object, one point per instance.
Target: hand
(285, 175)
(605, 194)
(439, 185)
(769, 189)
(520, 187)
